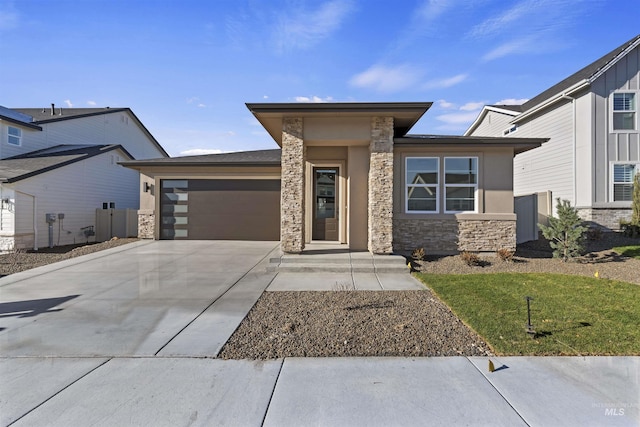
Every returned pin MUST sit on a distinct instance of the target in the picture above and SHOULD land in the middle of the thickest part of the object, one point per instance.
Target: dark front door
(325, 204)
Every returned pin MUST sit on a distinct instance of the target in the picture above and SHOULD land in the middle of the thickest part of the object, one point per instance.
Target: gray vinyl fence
(112, 223)
(531, 210)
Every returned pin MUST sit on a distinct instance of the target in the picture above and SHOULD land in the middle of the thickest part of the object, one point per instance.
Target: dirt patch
(351, 323)
(21, 260)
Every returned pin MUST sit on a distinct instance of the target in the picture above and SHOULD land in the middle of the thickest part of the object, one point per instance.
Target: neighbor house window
(511, 130)
(460, 184)
(422, 180)
(624, 111)
(15, 136)
(623, 175)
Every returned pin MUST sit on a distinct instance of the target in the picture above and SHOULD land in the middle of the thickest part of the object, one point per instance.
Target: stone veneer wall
(445, 236)
(292, 186)
(607, 218)
(19, 241)
(380, 207)
(146, 224)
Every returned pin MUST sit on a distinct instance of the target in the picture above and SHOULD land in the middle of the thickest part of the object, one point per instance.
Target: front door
(325, 204)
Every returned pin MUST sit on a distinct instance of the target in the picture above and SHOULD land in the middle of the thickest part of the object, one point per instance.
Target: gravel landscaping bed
(536, 257)
(351, 323)
(21, 260)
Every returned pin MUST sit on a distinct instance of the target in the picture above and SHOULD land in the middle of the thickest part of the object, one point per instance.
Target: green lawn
(630, 251)
(572, 315)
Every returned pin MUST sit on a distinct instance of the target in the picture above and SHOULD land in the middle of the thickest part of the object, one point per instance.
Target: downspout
(573, 148)
(35, 218)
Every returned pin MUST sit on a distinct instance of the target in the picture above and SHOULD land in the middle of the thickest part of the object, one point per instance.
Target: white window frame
(474, 186)
(612, 182)
(634, 110)
(10, 136)
(407, 185)
(511, 129)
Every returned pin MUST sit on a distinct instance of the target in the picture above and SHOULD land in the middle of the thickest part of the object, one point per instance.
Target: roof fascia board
(151, 164)
(552, 100)
(19, 123)
(615, 60)
(483, 114)
(66, 163)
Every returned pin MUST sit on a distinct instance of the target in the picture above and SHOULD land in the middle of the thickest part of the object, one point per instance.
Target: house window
(460, 184)
(511, 130)
(422, 181)
(624, 111)
(15, 136)
(623, 175)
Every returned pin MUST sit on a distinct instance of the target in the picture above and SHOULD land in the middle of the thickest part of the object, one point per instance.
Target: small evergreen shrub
(566, 232)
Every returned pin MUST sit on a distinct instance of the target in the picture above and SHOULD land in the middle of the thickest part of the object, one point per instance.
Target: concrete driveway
(129, 336)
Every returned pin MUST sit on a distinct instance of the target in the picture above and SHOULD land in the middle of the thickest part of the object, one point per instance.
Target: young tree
(566, 232)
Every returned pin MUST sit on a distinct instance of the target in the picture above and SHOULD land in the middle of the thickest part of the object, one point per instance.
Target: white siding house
(66, 163)
(592, 121)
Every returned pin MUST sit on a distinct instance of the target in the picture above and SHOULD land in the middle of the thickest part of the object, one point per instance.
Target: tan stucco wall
(358, 172)
(495, 183)
(337, 130)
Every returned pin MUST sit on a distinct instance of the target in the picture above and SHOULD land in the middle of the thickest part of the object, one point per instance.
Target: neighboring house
(347, 173)
(65, 161)
(591, 120)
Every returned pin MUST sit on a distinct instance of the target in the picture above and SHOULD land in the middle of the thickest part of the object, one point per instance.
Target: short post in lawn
(529, 330)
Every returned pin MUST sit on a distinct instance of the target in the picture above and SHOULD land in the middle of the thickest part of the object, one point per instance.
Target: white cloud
(68, 102)
(445, 83)
(512, 101)
(301, 29)
(472, 106)
(201, 105)
(387, 79)
(515, 46)
(92, 103)
(432, 9)
(265, 97)
(313, 99)
(200, 151)
(498, 23)
(445, 104)
(458, 118)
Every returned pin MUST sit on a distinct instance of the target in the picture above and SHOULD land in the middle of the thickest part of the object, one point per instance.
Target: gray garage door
(210, 209)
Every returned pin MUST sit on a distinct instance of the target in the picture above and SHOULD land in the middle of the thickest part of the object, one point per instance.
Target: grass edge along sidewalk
(572, 315)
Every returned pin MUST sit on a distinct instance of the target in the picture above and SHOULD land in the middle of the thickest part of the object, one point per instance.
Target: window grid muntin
(622, 176)
(14, 136)
(456, 185)
(624, 111)
(410, 187)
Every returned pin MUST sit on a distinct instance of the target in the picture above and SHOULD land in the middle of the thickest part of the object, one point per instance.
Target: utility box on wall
(50, 218)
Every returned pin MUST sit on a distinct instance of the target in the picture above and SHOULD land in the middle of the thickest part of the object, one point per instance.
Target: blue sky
(187, 68)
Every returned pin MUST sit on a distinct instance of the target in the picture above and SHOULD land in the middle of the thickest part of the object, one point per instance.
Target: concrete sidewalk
(130, 336)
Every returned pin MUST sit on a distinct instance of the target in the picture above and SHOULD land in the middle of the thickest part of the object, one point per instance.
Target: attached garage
(220, 209)
(229, 196)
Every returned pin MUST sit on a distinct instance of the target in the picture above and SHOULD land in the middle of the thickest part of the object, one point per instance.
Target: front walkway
(129, 336)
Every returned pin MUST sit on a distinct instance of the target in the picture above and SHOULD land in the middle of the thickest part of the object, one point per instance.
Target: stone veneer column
(380, 206)
(146, 223)
(292, 186)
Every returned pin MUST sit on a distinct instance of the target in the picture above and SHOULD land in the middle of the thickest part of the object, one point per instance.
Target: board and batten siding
(613, 146)
(77, 190)
(113, 128)
(493, 124)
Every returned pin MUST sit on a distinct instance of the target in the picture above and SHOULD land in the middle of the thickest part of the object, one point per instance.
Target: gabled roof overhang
(485, 110)
(405, 114)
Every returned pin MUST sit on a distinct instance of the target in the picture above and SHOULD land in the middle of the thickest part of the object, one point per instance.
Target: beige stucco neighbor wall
(292, 190)
(380, 216)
